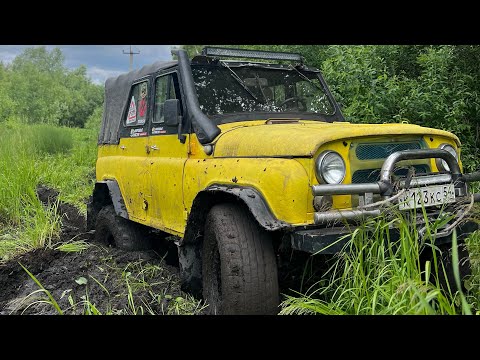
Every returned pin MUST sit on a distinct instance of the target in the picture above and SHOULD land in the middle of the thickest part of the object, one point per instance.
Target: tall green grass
(73, 174)
(377, 273)
(46, 139)
(39, 154)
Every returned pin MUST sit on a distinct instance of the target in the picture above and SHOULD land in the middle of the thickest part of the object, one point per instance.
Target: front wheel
(446, 267)
(239, 266)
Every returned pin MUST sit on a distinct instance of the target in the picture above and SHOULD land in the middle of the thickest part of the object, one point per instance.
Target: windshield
(226, 89)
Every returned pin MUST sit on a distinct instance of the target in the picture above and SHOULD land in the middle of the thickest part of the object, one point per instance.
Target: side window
(164, 90)
(138, 105)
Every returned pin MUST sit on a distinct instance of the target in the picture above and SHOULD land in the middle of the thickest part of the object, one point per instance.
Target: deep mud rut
(96, 279)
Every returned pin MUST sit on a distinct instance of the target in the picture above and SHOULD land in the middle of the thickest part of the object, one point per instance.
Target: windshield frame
(336, 115)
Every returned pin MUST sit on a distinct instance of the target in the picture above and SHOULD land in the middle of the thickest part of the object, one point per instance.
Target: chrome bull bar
(386, 188)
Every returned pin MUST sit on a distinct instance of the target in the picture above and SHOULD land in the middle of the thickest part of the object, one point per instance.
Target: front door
(167, 159)
(133, 169)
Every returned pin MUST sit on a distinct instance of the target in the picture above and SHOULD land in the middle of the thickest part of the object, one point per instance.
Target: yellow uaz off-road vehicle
(239, 159)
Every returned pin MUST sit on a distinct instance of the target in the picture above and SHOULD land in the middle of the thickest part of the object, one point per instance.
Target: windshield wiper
(305, 77)
(240, 81)
(261, 88)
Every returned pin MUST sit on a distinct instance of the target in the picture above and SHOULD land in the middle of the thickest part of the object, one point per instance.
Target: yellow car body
(277, 160)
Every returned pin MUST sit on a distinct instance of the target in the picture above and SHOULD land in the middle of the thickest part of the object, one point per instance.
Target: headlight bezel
(442, 164)
(319, 174)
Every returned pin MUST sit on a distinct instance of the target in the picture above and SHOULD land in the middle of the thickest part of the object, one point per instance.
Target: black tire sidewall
(464, 266)
(127, 235)
(211, 272)
(240, 289)
(105, 226)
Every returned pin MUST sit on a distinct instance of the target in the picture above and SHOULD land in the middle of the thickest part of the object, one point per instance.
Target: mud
(99, 278)
(104, 279)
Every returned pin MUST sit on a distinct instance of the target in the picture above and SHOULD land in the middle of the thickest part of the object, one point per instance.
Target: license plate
(426, 196)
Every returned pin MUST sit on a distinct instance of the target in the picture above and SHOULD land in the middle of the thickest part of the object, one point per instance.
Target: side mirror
(171, 112)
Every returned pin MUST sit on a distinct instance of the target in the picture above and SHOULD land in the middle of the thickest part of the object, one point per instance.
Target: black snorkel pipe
(204, 127)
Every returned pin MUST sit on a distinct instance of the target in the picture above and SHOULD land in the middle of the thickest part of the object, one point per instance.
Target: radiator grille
(382, 151)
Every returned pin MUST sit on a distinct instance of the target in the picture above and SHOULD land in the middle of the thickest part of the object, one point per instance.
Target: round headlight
(442, 164)
(330, 168)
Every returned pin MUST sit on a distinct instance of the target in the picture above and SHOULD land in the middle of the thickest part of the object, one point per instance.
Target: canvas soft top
(117, 90)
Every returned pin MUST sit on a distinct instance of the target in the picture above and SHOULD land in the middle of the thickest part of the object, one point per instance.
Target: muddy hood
(253, 139)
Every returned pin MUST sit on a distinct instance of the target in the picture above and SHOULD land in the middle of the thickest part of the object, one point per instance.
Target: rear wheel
(239, 265)
(111, 229)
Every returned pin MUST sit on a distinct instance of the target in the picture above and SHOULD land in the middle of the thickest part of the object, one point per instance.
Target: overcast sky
(102, 61)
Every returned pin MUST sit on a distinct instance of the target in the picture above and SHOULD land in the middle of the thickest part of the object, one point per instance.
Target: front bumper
(325, 234)
(332, 240)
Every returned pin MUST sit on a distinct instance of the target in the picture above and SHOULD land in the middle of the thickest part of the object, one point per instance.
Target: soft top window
(136, 114)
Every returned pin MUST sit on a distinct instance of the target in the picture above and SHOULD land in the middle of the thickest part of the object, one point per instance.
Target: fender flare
(255, 202)
(115, 195)
(249, 196)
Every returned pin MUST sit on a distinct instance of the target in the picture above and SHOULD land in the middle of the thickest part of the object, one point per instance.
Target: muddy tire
(239, 267)
(447, 279)
(111, 229)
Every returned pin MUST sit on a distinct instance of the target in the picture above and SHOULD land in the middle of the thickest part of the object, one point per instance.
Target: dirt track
(153, 282)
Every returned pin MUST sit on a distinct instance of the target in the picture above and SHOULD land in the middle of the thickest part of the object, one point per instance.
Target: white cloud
(99, 75)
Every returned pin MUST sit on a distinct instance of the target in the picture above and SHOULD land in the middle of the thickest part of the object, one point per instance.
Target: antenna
(131, 53)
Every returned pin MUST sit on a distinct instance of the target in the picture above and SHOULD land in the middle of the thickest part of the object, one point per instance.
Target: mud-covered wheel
(111, 229)
(239, 266)
(447, 278)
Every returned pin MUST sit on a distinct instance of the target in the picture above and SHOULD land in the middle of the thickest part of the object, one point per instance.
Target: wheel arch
(105, 193)
(190, 246)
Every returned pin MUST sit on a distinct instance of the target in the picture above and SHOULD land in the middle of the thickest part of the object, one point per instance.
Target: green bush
(95, 119)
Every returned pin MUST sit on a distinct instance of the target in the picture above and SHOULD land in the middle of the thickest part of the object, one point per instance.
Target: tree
(45, 91)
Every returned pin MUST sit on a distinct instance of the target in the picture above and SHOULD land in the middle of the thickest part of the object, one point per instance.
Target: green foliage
(433, 86)
(38, 88)
(95, 119)
(377, 274)
(6, 104)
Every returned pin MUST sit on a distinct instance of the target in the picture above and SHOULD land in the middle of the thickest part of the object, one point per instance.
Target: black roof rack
(252, 54)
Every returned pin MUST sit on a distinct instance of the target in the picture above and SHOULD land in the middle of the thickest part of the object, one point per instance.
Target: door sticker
(142, 104)
(137, 133)
(158, 130)
(142, 108)
(132, 112)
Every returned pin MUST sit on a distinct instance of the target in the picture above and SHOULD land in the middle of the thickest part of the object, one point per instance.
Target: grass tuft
(377, 273)
(73, 246)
